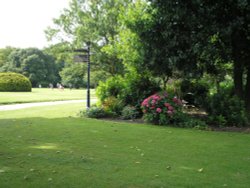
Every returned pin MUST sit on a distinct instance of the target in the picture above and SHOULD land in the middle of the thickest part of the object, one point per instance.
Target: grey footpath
(35, 104)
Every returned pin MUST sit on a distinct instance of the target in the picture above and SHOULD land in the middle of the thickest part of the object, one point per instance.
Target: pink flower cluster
(152, 100)
(161, 103)
(177, 101)
(159, 110)
(170, 109)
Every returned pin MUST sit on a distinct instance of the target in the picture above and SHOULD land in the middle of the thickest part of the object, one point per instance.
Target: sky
(22, 22)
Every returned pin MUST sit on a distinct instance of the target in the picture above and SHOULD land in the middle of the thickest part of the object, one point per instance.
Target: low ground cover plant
(93, 112)
(130, 112)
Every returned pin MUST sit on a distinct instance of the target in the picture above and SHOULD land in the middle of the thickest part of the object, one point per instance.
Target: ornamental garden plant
(162, 109)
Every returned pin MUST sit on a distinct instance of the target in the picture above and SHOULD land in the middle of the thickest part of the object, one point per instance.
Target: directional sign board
(81, 50)
(81, 58)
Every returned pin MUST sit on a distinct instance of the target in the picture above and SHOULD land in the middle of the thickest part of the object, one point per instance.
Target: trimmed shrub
(14, 82)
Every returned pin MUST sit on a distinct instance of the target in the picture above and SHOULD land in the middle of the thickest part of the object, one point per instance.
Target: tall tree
(231, 20)
(182, 33)
(126, 44)
(166, 40)
(4, 54)
(62, 53)
(73, 75)
(94, 21)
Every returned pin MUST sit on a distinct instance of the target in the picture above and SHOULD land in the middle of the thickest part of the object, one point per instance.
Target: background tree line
(39, 67)
(45, 67)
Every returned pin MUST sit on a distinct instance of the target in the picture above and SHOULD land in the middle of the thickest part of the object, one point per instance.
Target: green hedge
(14, 82)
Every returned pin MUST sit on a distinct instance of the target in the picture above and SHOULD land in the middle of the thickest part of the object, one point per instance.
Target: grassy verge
(51, 147)
(42, 95)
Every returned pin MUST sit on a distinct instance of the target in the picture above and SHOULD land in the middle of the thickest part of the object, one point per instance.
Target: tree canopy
(95, 21)
(198, 36)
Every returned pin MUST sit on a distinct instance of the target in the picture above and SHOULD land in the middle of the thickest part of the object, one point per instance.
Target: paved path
(28, 105)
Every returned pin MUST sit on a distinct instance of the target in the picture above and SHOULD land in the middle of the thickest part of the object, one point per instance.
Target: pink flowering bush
(162, 109)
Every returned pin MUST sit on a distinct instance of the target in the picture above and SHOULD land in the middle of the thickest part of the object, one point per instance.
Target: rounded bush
(162, 109)
(14, 82)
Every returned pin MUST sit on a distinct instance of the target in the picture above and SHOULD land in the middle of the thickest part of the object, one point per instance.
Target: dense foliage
(113, 106)
(14, 82)
(73, 76)
(4, 54)
(95, 21)
(195, 92)
(129, 90)
(113, 87)
(137, 88)
(226, 109)
(215, 34)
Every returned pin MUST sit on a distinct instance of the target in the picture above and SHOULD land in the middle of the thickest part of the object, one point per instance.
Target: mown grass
(52, 147)
(42, 95)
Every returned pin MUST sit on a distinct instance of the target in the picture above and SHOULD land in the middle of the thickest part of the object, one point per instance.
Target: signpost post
(85, 57)
(88, 82)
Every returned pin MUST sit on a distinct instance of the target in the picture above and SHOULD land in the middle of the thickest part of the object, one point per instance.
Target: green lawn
(52, 147)
(43, 94)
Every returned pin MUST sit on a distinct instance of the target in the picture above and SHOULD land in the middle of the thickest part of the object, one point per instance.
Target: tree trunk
(238, 79)
(217, 83)
(247, 92)
(237, 47)
(164, 81)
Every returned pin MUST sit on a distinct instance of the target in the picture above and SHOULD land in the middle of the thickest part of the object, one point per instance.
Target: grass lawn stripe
(43, 95)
